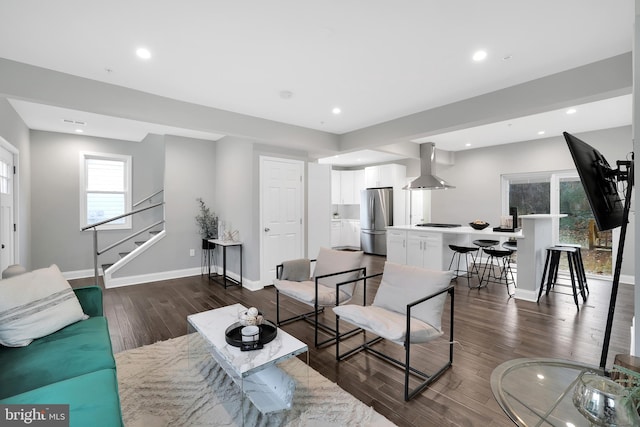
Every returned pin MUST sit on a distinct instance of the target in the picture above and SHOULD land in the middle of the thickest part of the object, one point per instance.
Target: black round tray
(268, 332)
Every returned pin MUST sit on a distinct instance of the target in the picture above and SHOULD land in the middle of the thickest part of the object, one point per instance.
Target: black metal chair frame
(312, 316)
(426, 378)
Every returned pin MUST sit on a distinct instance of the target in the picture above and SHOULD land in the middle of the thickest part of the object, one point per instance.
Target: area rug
(177, 383)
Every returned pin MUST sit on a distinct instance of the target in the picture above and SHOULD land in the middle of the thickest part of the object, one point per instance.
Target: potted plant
(207, 224)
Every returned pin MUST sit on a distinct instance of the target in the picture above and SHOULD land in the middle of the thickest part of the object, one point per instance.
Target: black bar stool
(550, 273)
(582, 275)
(502, 260)
(470, 268)
(482, 244)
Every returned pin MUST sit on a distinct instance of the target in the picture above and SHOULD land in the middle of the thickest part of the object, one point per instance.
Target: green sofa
(73, 366)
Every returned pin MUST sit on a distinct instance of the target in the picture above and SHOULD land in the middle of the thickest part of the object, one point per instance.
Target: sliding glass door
(561, 193)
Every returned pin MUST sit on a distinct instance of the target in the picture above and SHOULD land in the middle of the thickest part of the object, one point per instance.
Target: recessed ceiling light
(336, 110)
(79, 131)
(480, 55)
(468, 144)
(571, 111)
(143, 53)
(541, 132)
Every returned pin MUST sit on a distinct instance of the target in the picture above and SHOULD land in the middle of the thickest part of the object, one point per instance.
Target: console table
(225, 244)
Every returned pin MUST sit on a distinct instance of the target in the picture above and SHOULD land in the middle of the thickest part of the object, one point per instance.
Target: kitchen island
(429, 247)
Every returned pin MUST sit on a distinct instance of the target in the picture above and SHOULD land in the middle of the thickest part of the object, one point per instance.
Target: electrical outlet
(192, 252)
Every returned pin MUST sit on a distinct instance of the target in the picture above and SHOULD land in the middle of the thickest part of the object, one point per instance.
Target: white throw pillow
(36, 304)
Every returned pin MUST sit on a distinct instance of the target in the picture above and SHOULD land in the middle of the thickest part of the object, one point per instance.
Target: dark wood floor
(490, 328)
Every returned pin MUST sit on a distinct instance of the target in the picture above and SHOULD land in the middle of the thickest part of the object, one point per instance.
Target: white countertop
(465, 229)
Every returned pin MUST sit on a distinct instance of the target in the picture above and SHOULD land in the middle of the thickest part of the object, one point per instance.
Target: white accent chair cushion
(306, 292)
(387, 324)
(403, 284)
(36, 304)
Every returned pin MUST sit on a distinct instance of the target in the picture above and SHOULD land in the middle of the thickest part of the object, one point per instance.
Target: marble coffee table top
(212, 325)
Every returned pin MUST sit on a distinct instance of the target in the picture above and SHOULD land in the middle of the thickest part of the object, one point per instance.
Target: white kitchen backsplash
(346, 211)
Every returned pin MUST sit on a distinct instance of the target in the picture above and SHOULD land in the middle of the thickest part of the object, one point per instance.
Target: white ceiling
(57, 119)
(376, 60)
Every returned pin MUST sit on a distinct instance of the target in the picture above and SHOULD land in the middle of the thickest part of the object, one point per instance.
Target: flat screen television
(599, 182)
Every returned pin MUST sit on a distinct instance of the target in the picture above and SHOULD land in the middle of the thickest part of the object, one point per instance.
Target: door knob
(267, 229)
(3, 246)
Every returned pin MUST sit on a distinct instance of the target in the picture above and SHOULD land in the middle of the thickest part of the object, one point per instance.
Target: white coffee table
(267, 386)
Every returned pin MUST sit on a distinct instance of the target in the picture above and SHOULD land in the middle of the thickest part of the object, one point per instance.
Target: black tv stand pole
(616, 274)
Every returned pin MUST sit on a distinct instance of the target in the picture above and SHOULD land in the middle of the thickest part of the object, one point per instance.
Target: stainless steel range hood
(427, 180)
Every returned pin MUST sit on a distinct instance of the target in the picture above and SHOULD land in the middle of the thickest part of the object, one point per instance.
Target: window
(561, 192)
(105, 183)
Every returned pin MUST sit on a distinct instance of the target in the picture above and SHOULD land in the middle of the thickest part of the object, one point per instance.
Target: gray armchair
(324, 289)
(407, 309)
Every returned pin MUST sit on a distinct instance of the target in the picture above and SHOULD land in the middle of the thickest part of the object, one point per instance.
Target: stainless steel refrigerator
(376, 213)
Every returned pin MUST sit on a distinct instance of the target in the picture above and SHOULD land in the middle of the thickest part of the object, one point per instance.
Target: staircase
(125, 257)
(152, 234)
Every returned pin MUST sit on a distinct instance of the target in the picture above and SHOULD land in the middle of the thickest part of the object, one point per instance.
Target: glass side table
(539, 392)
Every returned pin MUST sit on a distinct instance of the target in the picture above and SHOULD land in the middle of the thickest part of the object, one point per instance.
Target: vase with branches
(207, 221)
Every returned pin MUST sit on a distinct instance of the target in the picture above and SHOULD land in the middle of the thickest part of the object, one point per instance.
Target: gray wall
(14, 131)
(55, 222)
(238, 195)
(189, 174)
(477, 176)
(237, 202)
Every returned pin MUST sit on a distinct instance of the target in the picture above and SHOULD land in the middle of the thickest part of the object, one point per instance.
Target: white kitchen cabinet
(346, 186)
(358, 185)
(425, 250)
(391, 175)
(345, 233)
(351, 232)
(336, 231)
(397, 246)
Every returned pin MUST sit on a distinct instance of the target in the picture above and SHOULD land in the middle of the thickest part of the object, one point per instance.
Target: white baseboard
(116, 282)
(252, 285)
(631, 280)
(80, 274)
(526, 295)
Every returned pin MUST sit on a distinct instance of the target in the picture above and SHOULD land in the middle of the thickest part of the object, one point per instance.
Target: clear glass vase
(604, 402)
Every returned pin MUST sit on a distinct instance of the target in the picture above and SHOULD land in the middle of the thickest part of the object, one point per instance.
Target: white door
(7, 248)
(281, 214)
